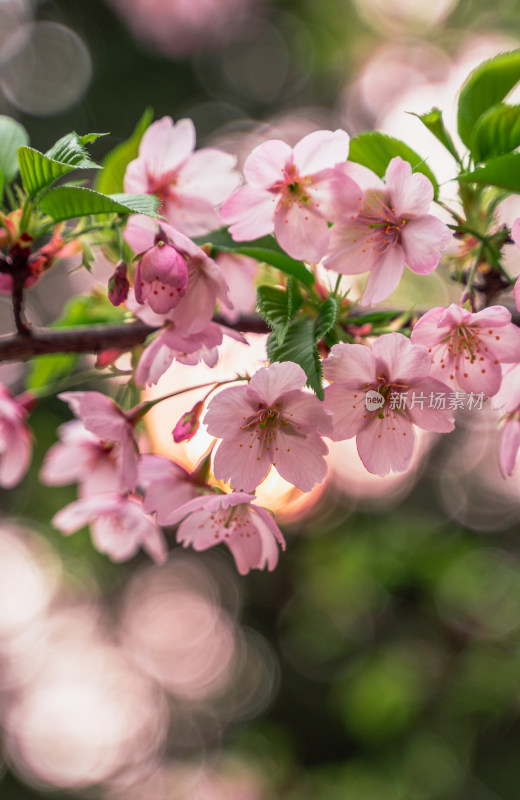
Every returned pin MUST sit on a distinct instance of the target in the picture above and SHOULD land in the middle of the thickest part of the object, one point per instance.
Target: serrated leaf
(486, 86)
(496, 133)
(69, 202)
(38, 171)
(114, 165)
(299, 346)
(434, 122)
(91, 137)
(326, 319)
(503, 172)
(277, 307)
(375, 150)
(12, 136)
(70, 150)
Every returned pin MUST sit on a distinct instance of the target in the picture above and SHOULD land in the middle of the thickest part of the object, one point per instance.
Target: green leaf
(70, 150)
(82, 310)
(486, 86)
(41, 170)
(111, 179)
(503, 172)
(44, 370)
(375, 150)
(266, 250)
(278, 306)
(299, 346)
(497, 132)
(326, 319)
(434, 122)
(12, 136)
(69, 202)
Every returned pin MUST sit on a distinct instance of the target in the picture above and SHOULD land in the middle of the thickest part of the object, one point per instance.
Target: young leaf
(69, 202)
(277, 307)
(299, 346)
(12, 136)
(434, 122)
(70, 150)
(326, 319)
(114, 165)
(375, 150)
(486, 86)
(497, 132)
(503, 171)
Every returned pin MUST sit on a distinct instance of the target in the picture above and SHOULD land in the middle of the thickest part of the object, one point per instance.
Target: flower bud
(118, 285)
(188, 424)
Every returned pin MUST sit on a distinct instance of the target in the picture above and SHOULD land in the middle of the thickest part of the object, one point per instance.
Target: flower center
(378, 226)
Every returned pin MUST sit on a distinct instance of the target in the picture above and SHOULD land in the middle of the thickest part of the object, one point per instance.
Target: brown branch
(95, 338)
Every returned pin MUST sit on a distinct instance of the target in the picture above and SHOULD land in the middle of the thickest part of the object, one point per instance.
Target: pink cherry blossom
(166, 486)
(240, 272)
(393, 228)
(269, 422)
(400, 372)
(206, 284)
(467, 349)
(161, 277)
(191, 185)
(15, 440)
(248, 530)
(508, 398)
(119, 526)
(171, 345)
(295, 193)
(102, 417)
(81, 457)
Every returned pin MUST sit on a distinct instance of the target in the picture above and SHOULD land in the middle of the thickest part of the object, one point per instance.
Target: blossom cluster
(330, 213)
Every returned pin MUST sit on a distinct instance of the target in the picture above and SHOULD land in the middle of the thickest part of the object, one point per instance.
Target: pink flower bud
(188, 424)
(118, 285)
(161, 278)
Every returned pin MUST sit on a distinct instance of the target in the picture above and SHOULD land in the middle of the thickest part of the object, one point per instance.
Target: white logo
(373, 400)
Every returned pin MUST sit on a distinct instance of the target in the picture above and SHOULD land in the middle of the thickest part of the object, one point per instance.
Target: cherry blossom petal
(299, 459)
(166, 145)
(474, 375)
(209, 173)
(428, 331)
(268, 384)
(410, 193)
(242, 461)
(384, 277)
(429, 418)
(349, 413)
(301, 231)
(509, 444)
(400, 361)
(348, 251)
(386, 444)
(249, 212)
(423, 240)
(352, 364)
(225, 409)
(319, 150)
(515, 232)
(265, 165)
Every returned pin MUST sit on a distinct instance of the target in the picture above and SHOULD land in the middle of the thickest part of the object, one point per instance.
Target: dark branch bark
(95, 338)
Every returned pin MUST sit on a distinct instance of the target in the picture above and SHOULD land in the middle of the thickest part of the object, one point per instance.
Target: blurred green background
(381, 660)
